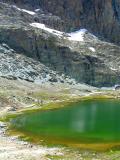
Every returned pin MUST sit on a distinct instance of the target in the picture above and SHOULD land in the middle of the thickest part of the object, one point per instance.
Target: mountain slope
(86, 59)
(101, 17)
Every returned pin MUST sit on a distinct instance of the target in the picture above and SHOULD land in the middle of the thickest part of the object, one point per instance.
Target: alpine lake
(89, 124)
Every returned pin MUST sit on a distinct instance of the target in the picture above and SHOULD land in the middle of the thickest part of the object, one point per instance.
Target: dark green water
(91, 121)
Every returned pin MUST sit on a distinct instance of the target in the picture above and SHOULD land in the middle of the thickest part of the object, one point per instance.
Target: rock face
(84, 58)
(17, 66)
(100, 17)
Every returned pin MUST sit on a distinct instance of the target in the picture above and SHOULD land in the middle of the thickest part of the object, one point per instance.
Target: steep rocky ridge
(101, 17)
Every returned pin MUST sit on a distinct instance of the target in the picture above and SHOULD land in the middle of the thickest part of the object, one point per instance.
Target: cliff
(80, 55)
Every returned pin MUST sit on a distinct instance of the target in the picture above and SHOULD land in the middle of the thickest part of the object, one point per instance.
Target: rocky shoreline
(12, 148)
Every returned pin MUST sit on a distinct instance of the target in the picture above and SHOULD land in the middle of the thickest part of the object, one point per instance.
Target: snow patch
(92, 49)
(24, 10)
(42, 26)
(113, 69)
(29, 12)
(73, 36)
(78, 35)
(37, 10)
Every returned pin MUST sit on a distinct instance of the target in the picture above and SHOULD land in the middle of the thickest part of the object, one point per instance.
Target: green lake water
(90, 121)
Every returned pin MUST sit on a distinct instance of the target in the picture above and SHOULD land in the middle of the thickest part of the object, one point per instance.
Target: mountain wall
(101, 17)
(79, 55)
